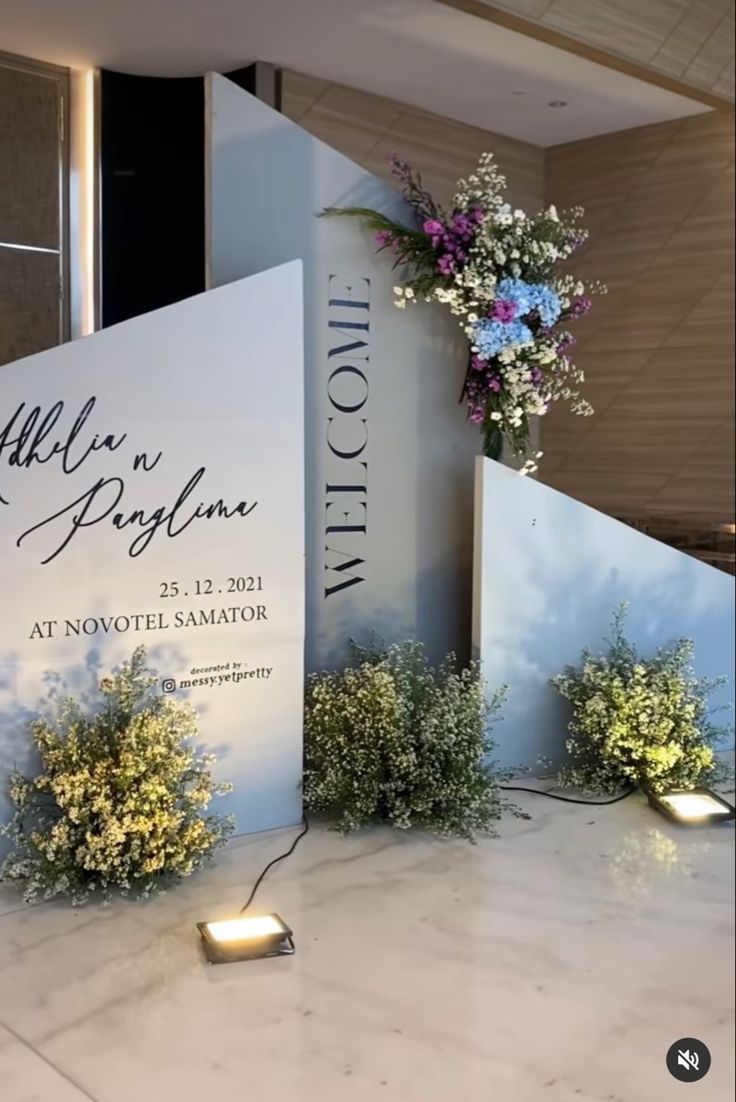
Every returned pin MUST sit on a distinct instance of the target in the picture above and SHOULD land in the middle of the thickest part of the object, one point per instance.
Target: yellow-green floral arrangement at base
(640, 721)
(119, 804)
(393, 740)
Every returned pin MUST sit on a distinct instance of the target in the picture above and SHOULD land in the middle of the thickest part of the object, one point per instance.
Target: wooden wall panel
(658, 351)
(368, 129)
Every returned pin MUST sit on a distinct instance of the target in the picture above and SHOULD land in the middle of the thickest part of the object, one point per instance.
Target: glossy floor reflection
(556, 963)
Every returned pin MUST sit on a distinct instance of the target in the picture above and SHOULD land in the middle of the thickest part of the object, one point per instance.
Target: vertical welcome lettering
(346, 489)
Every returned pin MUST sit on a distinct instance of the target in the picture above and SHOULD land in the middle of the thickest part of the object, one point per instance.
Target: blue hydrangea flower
(528, 297)
(516, 291)
(491, 336)
(546, 302)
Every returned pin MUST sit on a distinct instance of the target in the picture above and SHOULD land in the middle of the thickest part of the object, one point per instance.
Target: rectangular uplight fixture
(694, 807)
(246, 938)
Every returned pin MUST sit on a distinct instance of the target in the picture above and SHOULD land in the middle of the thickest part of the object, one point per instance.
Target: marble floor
(556, 963)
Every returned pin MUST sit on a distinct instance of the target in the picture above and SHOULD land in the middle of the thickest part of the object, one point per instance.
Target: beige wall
(659, 349)
(369, 128)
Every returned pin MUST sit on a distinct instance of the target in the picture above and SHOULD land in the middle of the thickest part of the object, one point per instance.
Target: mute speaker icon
(688, 1059)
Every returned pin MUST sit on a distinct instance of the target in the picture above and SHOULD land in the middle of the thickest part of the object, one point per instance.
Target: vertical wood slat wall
(658, 350)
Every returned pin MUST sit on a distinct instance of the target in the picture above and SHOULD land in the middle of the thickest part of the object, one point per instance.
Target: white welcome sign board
(151, 492)
(389, 454)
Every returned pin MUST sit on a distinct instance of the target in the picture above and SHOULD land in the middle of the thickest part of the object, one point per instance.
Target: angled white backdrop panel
(389, 456)
(549, 572)
(105, 542)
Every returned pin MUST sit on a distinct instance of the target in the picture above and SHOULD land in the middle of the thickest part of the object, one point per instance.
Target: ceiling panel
(423, 54)
(689, 39)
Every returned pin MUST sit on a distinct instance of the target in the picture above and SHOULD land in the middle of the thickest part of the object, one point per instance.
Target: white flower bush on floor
(640, 721)
(393, 740)
(119, 802)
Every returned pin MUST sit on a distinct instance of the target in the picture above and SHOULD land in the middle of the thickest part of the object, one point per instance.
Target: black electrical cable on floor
(271, 864)
(503, 787)
(569, 799)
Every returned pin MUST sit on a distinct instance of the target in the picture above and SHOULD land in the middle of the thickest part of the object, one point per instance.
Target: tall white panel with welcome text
(389, 455)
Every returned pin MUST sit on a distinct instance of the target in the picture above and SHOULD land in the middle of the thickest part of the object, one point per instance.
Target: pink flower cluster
(580, 308)
(451, 240)
(485, 379)
(386, 238)
(477, 387)
(504, 311)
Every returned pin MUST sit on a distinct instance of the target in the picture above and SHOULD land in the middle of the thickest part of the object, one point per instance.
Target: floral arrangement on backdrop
(119, 803)
(497, 269)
